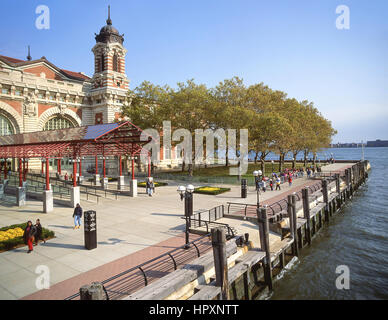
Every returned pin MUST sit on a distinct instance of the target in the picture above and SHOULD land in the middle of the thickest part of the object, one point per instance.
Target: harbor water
(357, 238)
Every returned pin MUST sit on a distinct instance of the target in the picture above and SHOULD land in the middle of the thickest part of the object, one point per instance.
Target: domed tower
(109, 82)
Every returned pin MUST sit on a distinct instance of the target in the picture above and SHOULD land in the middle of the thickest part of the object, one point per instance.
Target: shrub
(210, 190)
(8, 243)
(157, 184)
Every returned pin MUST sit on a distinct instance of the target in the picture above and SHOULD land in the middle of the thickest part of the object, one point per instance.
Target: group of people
(32, 234)
(287, 175)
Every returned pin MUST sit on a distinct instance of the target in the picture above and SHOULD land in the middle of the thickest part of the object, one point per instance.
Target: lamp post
(187, 194)
(272, 162)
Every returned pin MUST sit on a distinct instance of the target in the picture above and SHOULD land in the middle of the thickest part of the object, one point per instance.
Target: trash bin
(243, 188)
(90, 229)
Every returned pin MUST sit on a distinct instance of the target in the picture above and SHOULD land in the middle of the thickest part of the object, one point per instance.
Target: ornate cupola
(110, 83)
(109, 33)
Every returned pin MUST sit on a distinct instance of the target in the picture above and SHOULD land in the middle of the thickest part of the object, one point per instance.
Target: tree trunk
(190, 169)
(227, 157)
(280, 162)
(183, 165)
(262, 166)
(314, 159)
(294, 162)
(305, 158)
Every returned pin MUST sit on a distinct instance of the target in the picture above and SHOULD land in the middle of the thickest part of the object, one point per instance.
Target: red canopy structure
(113, 139)
(105, 139)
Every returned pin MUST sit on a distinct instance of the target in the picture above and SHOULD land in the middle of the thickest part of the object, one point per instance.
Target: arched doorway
(6, 128)
(56, 123)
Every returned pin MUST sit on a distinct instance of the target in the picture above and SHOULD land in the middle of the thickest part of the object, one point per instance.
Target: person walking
(150, 186)
(290, 180)
(271, 184)
(77, 216)
(39, 231)
(264, 185)
(308, 173)
(28, 236)
(277, 184)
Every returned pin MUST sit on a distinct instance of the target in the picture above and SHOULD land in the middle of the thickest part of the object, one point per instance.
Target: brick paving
(70, 286)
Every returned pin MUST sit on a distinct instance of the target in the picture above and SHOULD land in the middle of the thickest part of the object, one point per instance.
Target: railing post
(220, 261)
(264, 244)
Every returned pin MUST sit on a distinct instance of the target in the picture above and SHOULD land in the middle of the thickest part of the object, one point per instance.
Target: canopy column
(5, 170)
(48, 199)
(104, 179)
(96, 175)
(121, 184)
(20, 191)
(149, 165)
(75, 192)
(133, 181)
(80, 176)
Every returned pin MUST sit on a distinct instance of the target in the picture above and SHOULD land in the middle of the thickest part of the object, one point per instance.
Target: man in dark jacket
(39, 231)
(77, 216)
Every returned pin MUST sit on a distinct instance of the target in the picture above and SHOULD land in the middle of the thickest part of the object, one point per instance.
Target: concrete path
(124, 229)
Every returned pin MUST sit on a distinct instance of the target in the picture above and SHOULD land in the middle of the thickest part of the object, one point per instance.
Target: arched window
(115, 63)
(102, 63)
(5, 126)
(57, 123)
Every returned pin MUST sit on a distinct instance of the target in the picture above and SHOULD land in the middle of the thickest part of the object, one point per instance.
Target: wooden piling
(325, 193)
(220, 261)
(293, 222)
(306, 212)
(262, 218)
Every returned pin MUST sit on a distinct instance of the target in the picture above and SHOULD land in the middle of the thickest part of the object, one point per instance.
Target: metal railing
(230, 231)
(208, 215)
(138, 277)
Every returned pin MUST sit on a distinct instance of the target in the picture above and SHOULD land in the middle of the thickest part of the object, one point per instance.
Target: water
(357, 237)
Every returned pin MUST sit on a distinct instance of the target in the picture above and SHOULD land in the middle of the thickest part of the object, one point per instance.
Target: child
(271, 184)
(290, 180)
(150, 186)
(278, 184)
(264, 185)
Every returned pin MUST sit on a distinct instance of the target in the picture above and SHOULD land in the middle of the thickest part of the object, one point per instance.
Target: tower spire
(109, 21)
(29, 55)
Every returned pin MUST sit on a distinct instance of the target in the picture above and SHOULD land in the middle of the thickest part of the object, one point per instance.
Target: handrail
(140, 266)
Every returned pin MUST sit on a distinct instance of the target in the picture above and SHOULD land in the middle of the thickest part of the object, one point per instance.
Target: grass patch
(18, 241)
(156, 184)
(211, 190)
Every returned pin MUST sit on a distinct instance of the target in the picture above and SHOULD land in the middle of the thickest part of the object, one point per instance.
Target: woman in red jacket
(29, 234)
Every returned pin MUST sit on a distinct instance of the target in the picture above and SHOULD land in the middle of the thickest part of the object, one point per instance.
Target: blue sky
(291, 45)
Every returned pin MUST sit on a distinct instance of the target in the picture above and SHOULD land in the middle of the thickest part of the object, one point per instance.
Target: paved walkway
(129, 232)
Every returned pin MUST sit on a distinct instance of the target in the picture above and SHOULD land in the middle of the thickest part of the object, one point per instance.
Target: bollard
(90, 229)
(243, 188)
(95, 291)
(220, 261)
